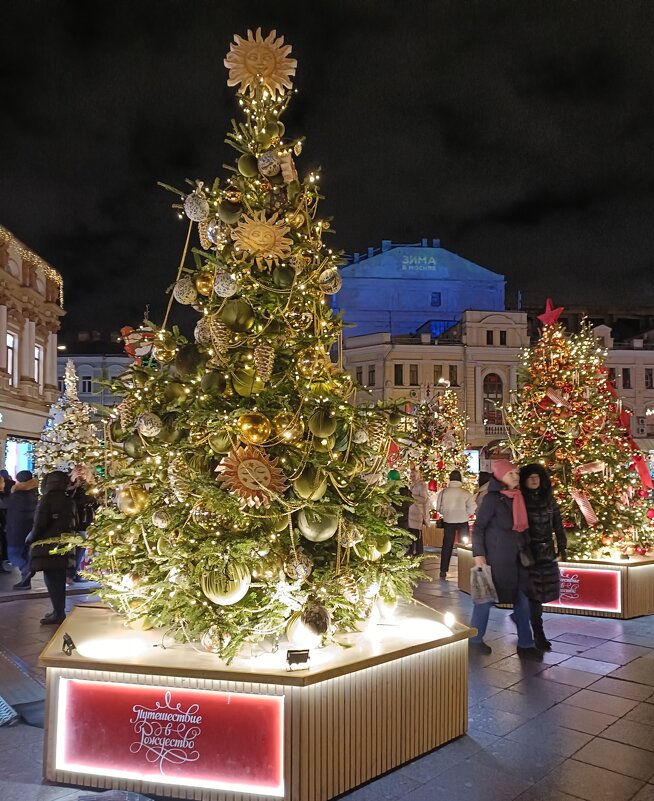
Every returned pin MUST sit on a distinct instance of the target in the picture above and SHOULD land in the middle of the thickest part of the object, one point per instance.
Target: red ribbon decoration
(641, 468)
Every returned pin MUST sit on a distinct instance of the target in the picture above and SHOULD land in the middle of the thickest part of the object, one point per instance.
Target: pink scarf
(520, 521)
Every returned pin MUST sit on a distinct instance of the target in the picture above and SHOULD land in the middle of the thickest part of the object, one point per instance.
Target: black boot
(541, 642)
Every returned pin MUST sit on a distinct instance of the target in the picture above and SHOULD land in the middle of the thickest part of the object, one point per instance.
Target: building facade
(31, 299)
(96, 361)
(479, 358)
(399, 286)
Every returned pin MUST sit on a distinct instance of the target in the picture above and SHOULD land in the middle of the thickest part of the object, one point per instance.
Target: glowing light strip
(598, 607)
(6, 237)
(63, 722)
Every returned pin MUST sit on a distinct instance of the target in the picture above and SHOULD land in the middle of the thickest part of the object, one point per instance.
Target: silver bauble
(196, 206)
(330, 281)
(148, 424)
(217, 232)
(161, 518)
(224, 284)
(184, 291)
(298, 566)
(269, 164)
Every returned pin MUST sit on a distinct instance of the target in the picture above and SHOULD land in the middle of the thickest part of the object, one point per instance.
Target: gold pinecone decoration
(377, 433)
(220, 336)
(127, 410)
(316, 618)
(205, 242)
(264, 358)
(349, 588)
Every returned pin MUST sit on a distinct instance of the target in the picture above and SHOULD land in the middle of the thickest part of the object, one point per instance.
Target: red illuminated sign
(585, 588)
(194, 738)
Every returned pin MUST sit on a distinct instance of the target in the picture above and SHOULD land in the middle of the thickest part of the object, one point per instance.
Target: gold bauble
(312, 362)
(233, 195)
(295, 219)
(204, 284)
(132, 500)
(163, 354)
(288, 427)
(254, 427)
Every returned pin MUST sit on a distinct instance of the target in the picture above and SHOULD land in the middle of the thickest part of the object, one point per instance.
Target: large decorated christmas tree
(250, 493)
(432, 437)
(568, 417)
(70, 435)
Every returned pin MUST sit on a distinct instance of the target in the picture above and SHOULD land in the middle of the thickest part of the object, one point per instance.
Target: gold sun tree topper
(257, 60)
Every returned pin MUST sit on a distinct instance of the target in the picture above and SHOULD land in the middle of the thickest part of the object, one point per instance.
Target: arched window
(493, 396)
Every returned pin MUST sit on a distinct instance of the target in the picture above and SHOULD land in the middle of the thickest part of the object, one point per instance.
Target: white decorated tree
(69, 436)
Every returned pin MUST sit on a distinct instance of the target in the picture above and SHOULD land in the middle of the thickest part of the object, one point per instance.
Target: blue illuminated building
(402, 288)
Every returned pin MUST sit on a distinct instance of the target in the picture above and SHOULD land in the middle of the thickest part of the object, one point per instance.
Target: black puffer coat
(20, 506)
(544, 526)
(493, 537)
(55, 515)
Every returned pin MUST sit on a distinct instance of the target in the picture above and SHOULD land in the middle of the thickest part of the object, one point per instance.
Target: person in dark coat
(55, 516)
(85, 505)
(6, 483)
(547, 541)
(19, 508)
(498, 536)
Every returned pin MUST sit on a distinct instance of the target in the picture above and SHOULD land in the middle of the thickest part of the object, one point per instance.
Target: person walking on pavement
(6, 483)
(55, 516)
(482, 486)
(498, 536)
(19, 508)
(545, 526)
(455, 505)
(418, 511)
(85, 504)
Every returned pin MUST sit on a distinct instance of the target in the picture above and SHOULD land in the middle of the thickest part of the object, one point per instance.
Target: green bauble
(188, 360)
(383, 545)
(272, 129)
(394, 418)
(322, 423)
(311, 484)
(315, 525)
(220, 442)
(280, 524)
(170, 435)
(227, 585)
(174, 391)
(213, 382)
(237, 315)
(246, 383)
(324, 444)
(247, 165)
(116, 432)
(133, 446)
(229, 212)
(283, 277)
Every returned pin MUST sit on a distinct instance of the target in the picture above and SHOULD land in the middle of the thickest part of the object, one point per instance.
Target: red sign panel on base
(590, 589)
(194, 738)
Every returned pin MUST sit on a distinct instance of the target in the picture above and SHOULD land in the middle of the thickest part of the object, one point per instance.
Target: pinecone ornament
(377, 433)
(220, 336)
(316, 618)
(127, 409)
(264, 358)
(349, 588)
(205, 242)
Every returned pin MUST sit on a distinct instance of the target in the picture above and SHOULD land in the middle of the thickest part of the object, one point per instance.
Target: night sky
(520, 133)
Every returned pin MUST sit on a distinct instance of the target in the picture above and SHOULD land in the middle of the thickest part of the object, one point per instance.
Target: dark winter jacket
(55, 515)
(493, 537)
(403, 508)
(544, 526)
(85, 505)
(20, 506)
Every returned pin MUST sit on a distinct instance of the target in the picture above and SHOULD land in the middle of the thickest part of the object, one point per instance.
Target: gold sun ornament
(264, 238)
(257, 60)
(251, 475)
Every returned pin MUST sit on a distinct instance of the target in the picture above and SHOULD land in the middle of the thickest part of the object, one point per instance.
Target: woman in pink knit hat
(498, 536)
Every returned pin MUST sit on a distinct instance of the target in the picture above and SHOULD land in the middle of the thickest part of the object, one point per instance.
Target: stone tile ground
(579, 726)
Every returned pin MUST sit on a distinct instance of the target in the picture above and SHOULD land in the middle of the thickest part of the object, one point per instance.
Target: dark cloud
(519, 133)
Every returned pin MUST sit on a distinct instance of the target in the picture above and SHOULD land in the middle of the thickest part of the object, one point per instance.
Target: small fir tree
(70, 436)
(567, 416)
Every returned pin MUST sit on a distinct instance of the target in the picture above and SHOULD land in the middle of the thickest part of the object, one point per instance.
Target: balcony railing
(495, 430)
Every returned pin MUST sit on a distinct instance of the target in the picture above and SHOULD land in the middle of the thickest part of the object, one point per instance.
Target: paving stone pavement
(578, 726)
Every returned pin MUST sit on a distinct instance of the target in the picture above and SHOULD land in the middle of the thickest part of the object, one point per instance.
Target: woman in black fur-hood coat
(547, 541)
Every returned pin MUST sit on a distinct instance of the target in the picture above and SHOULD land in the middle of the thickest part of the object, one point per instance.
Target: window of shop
(371, 375)
(438, 373)
(626, 378)
(649, 378)
(413, 375)
(12, 358)
(86, 384)
(502, 337)
(489, 337)
(399, 375)
(454, 375)
(359, 375)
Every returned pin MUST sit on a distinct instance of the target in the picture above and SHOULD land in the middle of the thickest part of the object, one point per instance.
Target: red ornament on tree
(650, 514)
(641, 550)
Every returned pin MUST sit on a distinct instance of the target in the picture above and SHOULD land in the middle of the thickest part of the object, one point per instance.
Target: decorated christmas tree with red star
(567, 416)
